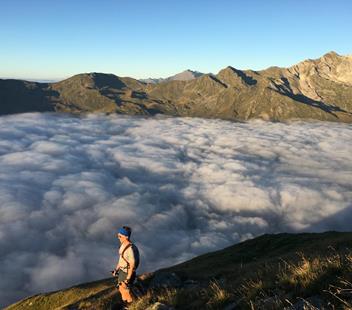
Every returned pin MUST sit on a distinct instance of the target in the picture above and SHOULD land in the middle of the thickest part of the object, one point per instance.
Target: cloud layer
(186, 186)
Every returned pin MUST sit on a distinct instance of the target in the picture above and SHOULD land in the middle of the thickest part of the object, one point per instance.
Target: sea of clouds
(186, 186)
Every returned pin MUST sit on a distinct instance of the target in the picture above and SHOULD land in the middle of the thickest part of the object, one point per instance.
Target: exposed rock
(165, 280)
(271, 302)
(232, 306)
(159, 306)
(310, 303)
(145, 276)
(190, 283)
(186, 75)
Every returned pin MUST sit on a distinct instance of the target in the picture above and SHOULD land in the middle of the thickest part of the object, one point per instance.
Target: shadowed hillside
(313, 89)
(283, 271)
(21, 96)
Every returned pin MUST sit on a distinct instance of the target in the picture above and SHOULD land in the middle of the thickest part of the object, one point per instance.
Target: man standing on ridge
(127, 264)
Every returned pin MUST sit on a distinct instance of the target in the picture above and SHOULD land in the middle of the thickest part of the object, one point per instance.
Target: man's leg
(125, 293)
(122, 286)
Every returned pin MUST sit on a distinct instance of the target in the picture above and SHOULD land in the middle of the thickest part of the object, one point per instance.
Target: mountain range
(319, 89)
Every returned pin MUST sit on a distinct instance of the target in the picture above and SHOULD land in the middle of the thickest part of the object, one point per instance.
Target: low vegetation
(322, 282)
(284, 271)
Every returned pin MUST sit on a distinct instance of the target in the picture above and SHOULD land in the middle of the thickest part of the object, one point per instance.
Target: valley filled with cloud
(185, 185)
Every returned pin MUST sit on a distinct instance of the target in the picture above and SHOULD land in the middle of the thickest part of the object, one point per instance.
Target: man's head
(124, 233)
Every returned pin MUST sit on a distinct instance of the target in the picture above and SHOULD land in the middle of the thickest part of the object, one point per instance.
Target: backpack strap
(123, 252)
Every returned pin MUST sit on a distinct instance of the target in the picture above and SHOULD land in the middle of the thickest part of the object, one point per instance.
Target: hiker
(127, 264)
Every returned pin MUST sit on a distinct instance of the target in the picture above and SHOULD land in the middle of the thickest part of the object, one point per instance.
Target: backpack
(135, 253)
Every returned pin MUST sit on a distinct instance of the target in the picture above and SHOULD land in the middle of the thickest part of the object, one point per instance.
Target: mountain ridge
(318, 89)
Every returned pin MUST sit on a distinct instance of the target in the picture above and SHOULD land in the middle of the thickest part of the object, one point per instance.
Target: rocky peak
(185, 76)
(94, 80)
(235, 77)
(330, 66)
(331, 55)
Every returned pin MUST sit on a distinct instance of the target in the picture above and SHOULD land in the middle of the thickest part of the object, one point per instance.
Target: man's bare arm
(130, 271)
(114, 273)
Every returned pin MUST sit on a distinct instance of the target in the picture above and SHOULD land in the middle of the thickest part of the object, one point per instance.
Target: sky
(43, 39)
(68, 183)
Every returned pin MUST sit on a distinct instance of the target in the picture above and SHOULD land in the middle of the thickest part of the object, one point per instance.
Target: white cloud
(186, 186)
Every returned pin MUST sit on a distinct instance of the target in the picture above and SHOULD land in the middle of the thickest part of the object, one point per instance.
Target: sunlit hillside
(283, 271)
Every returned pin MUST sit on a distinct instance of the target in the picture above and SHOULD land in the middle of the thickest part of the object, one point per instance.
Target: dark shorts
(123, 276)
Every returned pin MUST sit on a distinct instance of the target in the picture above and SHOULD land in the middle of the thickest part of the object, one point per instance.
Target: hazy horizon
(153, 77)
(157, 39)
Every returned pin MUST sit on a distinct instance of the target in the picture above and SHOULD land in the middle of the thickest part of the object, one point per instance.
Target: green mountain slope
(268, 272)
(313, 89)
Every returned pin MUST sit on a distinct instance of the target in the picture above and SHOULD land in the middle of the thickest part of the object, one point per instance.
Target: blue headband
(124, 232)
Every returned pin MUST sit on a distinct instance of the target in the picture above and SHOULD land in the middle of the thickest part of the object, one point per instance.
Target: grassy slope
(265, 249)
(298, 265)
(99, 294)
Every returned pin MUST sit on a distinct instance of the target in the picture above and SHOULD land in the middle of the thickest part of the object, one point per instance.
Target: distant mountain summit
(186, 75)
(152, 80)
(318, 89)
